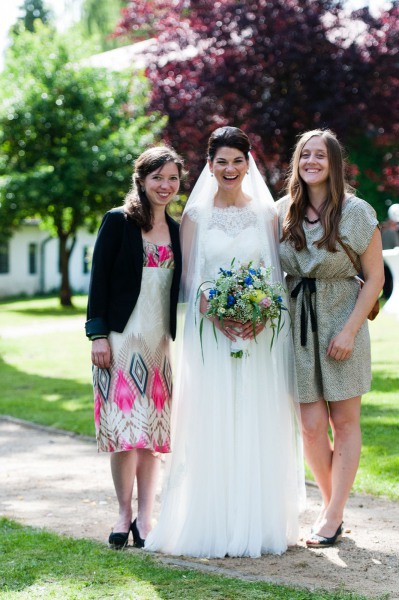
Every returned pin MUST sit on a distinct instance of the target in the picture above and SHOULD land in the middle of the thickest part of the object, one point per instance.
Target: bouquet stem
(239, 348)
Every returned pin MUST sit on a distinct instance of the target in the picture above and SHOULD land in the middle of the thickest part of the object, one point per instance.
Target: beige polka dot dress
(321, 303)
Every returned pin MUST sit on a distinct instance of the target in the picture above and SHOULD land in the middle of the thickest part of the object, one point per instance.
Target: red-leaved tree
(275, 69)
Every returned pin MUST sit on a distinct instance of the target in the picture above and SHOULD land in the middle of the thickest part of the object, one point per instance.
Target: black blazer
(116, 273)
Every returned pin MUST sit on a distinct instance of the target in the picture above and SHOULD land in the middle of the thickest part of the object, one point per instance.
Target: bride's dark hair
(230, 137)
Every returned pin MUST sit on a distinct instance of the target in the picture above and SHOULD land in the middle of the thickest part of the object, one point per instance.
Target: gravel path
(58, 481)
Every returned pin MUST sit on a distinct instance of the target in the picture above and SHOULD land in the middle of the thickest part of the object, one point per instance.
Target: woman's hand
(233, 329)
(230, 328)
(248, 330)
(101, 353)
(341, 346)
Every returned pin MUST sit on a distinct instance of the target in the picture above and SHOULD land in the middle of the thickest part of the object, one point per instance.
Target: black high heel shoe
(319, 541)
(118, 540)
(138, 542)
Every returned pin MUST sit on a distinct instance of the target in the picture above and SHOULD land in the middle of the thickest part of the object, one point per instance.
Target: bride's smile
(229, 167)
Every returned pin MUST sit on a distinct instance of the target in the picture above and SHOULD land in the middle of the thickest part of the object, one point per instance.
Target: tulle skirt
(235, 481)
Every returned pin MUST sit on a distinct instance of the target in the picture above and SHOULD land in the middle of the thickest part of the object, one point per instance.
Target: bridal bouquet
(244, 294)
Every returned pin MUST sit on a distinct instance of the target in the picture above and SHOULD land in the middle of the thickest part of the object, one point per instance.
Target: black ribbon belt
(309, 284)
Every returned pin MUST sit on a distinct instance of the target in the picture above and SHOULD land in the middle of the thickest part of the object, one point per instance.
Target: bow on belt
(307, 284)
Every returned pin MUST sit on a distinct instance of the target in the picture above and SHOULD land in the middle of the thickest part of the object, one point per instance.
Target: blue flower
(279, 299)
(212, 293)
(248, 280)
(252, 271)
(230, 300)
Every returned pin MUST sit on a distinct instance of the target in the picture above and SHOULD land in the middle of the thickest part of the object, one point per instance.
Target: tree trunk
(65, 254)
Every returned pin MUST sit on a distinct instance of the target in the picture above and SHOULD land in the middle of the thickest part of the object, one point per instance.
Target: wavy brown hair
(137, 206)
(337, 186)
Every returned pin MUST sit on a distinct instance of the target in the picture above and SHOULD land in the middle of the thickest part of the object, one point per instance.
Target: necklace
(311, 222)
(315, 210)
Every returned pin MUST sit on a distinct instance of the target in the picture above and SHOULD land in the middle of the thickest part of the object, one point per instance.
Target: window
(4, 258)
(32, 259)
(87, 258)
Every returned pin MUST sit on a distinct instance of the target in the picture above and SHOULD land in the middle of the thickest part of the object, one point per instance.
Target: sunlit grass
(40, 565)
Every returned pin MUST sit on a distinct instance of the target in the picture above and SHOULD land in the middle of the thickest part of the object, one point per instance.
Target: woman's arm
(105, 250)
(341, 345)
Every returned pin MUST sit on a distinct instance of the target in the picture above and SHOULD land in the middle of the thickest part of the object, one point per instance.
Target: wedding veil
(195, 223)
(193, 236)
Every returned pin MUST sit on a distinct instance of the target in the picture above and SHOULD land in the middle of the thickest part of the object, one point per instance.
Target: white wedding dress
(235, 484)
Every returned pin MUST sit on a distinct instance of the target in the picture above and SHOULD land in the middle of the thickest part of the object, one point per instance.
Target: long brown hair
(137, 206)
(330, 213)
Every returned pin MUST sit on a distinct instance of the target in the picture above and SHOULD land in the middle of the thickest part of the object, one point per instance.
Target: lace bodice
(232, 220)
(232, 233)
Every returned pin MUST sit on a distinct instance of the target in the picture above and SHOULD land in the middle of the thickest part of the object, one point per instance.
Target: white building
(29, 262)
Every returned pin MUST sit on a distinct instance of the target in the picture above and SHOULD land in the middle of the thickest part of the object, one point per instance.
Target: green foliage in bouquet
(244, 294)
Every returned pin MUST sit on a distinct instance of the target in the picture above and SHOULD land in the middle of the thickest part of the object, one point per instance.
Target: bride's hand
(231, 329)
(248, 332)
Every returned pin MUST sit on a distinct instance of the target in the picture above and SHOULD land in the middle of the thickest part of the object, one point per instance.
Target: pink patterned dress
(132, 399)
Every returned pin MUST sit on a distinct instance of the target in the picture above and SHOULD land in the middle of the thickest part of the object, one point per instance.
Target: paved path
(58, 481)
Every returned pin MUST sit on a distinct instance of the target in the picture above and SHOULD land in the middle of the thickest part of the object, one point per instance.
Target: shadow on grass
(62, 403)
(60, 566)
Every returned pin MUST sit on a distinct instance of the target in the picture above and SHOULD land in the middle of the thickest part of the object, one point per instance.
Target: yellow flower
(257, 296)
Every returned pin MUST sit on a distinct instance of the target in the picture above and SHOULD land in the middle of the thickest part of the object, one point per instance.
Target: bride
(235, 485)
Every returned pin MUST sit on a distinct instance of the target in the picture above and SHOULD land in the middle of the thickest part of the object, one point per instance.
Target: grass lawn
(46, 378)
(40, 565)
(379, 465)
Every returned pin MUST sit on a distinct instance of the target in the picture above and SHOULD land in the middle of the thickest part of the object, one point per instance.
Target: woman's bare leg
(123, 469)
(317, 445)
(148, 465)
(345, 424)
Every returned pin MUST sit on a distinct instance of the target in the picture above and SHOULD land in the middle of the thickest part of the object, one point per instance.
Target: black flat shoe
(319, 541)
(118, 540)
(138, 542)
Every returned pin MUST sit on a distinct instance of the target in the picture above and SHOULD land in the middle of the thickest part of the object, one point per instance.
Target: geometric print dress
(132, 399)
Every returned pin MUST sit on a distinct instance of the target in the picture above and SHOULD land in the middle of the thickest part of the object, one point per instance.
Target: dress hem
(353, 395)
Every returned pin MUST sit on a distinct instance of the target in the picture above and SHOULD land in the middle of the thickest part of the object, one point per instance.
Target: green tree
(99, 18)
(32, 10)
(68, 137)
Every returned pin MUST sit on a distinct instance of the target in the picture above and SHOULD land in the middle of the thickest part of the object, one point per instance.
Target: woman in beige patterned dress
(329, 314)
(131, 317)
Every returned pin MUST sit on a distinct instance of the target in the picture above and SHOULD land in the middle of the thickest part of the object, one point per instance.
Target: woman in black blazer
(131, 317)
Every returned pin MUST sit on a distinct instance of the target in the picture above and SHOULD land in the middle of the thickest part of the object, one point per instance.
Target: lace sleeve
(192, 213)
(188, 240)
